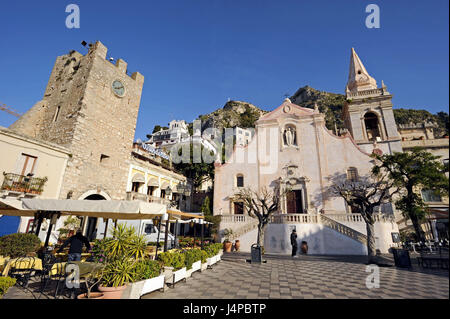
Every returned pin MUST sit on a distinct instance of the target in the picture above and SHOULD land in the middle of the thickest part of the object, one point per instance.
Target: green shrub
(5, 284)
(191, 256)
(17, 245)
(147, 269)
(212, 249)
(172, 259)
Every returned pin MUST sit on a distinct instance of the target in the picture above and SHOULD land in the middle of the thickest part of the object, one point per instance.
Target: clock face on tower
(118, 88)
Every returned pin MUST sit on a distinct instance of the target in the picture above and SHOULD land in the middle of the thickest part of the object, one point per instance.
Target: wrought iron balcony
(23, 184)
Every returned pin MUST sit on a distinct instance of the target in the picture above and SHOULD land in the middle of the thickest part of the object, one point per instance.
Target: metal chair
(48, 262)
(22, 269)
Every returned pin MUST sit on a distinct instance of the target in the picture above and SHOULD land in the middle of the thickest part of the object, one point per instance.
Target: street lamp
(202, 229)
(163, 218)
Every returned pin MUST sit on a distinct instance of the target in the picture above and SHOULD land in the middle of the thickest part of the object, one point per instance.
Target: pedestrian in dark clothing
(294, 243)
(76, 246)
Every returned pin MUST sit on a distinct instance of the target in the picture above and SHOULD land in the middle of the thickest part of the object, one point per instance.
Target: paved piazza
(306, 277)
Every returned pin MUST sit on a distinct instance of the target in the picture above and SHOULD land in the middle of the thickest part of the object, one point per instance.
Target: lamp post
(166, 230)
(202, 225)
(176, 233)
(194, 224)
(161, 219)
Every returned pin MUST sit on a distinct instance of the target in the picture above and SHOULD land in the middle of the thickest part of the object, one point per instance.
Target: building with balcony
(152, 178)
(29, 168)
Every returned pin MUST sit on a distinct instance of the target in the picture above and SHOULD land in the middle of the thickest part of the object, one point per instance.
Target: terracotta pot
(227, 246)
(237, 245)
(94, 295)
(304, 247)
(112, 292)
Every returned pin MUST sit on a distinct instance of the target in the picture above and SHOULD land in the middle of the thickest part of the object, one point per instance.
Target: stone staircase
(249, 226)
(345, 230)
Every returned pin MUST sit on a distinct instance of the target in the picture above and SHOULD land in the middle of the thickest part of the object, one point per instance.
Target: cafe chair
(22, 269)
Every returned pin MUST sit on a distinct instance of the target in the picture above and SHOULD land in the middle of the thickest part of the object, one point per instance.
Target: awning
(114, 209)
(183, 214)
(153, 182)
(164, 185)
(138, 178)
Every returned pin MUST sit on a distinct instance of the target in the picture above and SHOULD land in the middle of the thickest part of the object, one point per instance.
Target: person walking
(294, 243)
(76, 246)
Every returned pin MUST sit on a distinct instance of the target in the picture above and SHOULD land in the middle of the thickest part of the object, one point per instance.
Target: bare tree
(365, 194)
(260, 205)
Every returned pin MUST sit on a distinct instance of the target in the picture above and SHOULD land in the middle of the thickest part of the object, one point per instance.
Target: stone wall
(81, 112)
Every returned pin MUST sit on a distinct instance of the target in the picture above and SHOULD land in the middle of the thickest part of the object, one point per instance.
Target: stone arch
(372, 125)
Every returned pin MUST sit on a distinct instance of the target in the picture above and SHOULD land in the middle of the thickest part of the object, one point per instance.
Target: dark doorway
(91, 228)
(238, 208)
(294, 202)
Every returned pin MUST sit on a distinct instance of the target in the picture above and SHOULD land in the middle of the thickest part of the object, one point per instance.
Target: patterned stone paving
(306, 277)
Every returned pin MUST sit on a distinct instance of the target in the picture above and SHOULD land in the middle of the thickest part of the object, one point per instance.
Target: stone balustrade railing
(234, 218)
(295, 219)
(340, 228)
(366, 93)
(357, 218)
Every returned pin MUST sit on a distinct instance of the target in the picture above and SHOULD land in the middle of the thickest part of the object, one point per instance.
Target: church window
(352, 174)
(240, 180)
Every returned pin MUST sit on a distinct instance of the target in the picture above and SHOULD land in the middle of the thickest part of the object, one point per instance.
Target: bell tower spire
(358, 77)
(367, 111)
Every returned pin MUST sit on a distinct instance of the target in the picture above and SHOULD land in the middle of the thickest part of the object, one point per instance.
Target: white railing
(295, 218)
(365, 93)
(347, 231)
(234, 218)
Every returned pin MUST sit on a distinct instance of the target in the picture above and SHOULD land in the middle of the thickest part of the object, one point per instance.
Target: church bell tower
(367, 112)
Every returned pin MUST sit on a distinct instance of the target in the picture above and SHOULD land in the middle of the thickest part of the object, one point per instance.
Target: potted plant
(122, 252)
(92, 279)
(304, 247)
(237, 245)
(227, 244)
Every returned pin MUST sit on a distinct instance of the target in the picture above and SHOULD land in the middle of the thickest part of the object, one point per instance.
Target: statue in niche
(290, 136)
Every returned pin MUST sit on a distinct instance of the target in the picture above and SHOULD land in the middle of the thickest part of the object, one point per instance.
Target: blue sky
(195, 54)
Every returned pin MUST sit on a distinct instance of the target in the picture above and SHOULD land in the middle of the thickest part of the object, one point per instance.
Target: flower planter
(179, 275)
(112, 292)
(204, 266)
(218, 258)
(227, 246)
(133, 290)
(94, 295)
(153, 284)
(304, 247)
(196, 266)
(237, 245)
(189, 273)
(168, 273)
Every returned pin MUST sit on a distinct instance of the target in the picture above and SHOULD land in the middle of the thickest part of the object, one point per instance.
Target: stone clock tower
(368, 111)
(90, 106)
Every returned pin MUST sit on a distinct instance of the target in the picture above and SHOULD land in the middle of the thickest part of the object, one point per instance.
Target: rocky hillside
(234, 113)
(244, 114)
(329, 103)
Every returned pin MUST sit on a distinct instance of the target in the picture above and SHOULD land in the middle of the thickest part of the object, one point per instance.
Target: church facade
(293, 153)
